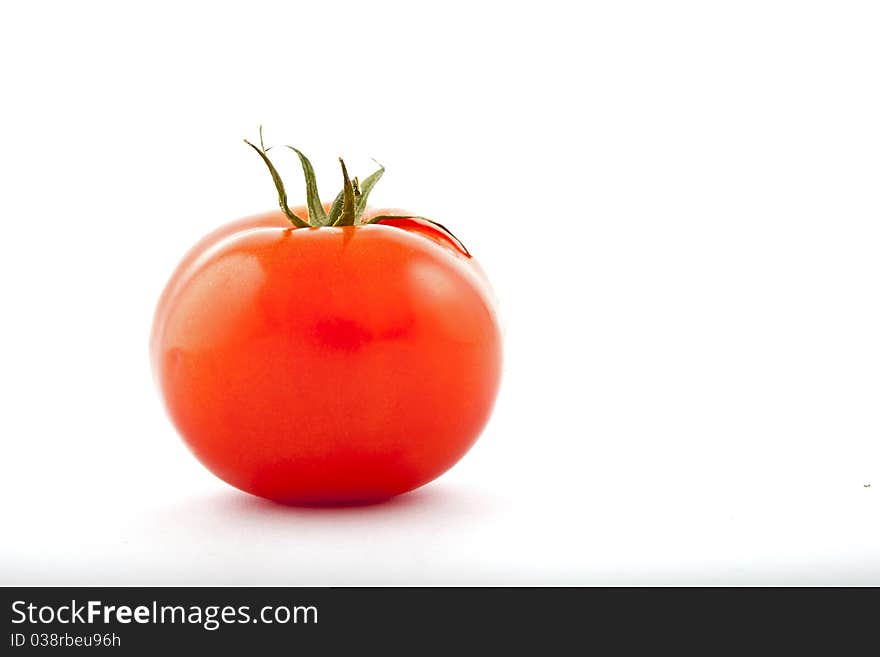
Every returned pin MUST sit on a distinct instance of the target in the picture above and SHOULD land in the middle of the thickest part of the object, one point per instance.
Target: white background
(678, 206)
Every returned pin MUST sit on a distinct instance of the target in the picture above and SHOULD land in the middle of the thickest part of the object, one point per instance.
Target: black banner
(410, 621)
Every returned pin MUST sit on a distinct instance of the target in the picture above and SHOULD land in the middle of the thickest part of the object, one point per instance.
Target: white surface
(677, 204)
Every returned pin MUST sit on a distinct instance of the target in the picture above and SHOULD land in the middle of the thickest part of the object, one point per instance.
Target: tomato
(327, 365)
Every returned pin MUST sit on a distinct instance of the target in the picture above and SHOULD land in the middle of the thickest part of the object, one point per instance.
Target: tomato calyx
(349, 205)
(347, 208)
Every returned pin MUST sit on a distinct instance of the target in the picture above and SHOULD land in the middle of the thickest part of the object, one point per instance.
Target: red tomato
(327, 365)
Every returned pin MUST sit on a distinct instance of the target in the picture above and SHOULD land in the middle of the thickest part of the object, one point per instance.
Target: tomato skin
(278, 219)
(326, 365)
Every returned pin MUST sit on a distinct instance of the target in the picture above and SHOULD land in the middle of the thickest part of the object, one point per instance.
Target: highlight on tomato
(328, 354)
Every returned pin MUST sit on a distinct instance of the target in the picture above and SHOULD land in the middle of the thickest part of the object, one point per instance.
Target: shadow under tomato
(231, 538)
(417, 497)
(436, 499)
(234, 521)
